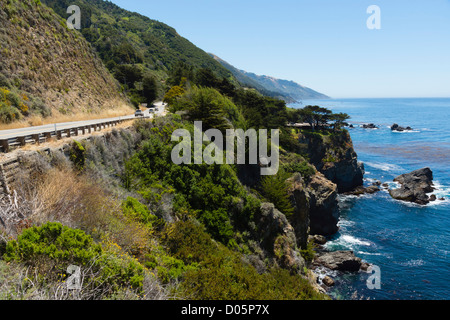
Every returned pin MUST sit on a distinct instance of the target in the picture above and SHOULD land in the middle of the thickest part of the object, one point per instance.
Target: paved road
(10, 134)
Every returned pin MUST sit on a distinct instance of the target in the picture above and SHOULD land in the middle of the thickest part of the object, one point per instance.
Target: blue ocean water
(409, 243)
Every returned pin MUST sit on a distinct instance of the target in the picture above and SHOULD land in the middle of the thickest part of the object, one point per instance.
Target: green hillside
(49, 71)
(135, 48)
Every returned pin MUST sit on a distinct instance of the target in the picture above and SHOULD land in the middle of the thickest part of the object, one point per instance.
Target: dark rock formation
(414, 186)
(335, 157)
(315, 207)
(344, 261)
(328, 281)
(369, 126)
(396, 127)
(363, 190)
(324, 211)
(317, 239)
(278, 237)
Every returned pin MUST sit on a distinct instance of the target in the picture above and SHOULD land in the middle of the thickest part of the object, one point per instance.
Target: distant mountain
(284, 89)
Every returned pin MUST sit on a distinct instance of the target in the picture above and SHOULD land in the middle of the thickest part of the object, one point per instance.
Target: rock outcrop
(344, 261)
(369, 126)
(414, 186)
(315, 207)
(324, 211)
(335, 157)
(396, 127)
(278, 237)
(364, 190)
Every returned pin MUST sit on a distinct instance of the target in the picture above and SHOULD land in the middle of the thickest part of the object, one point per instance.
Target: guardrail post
(48, 136)
(21, 140)
(59, 135)
(36, 138)
(68, 133)
(5, 145)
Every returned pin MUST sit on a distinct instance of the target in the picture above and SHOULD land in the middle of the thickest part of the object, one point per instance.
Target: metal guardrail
(6, 145)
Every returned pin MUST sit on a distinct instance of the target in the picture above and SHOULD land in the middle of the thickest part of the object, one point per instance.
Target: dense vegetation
(145, 229)
(140, 226)
(138, 51)
(48, 70)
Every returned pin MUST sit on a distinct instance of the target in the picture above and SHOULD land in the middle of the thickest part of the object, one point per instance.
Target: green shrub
(78, 155)
(131, 207)
(55, 241)
(8, 114)
(304, 168)
(275, 190)
(51, 248)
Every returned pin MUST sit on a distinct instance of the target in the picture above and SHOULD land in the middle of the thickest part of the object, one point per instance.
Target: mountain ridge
(288, 90)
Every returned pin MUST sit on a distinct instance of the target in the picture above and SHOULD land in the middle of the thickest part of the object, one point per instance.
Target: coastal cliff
(334, 156)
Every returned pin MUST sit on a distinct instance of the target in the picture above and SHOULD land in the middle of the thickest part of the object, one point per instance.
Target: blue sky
(322, 44)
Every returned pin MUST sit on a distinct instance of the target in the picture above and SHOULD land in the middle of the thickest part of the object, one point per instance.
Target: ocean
(409, 243)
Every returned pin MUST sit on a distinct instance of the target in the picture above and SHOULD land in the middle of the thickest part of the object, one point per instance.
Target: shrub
(51, 248)
(131, 207)
(275, 190)
(60, 243)
(304, 168)
(9, 114)
(41, 108)
(77, 155)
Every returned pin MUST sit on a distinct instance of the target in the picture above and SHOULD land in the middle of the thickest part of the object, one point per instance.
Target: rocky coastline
(315, 201)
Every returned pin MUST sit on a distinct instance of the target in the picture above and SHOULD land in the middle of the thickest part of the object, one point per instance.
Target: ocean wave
(384, 166)
(345, 223)
(347, 242)
(369, 253)
(407, 131)
(412, 263)
(354, 241)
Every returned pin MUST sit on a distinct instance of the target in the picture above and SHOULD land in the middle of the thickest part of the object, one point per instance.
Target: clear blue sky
(322, 44)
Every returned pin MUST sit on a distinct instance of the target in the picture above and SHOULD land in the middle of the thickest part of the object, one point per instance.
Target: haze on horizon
(322, 44)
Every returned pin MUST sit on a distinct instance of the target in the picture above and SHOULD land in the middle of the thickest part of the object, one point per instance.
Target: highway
(22, 136)
(13, 133)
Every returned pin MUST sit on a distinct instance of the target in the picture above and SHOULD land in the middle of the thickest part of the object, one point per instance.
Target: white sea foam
(369, 253)
(412, 263)
(348, 242)
(354, 241)
(407, 131)
(345, 223)
(383, 166)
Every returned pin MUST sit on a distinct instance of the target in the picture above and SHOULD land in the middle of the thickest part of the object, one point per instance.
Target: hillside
(289, 91)
(49, 71)
(133, 46)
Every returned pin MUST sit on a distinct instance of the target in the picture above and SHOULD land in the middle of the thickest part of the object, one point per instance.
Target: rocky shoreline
(315, 200)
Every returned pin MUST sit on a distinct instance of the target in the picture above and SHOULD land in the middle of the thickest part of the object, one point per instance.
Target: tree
(206, 78)
(149, 88)
(316, 116)
(178, 72)
(173, 94)
(275, 189)
(339, 120)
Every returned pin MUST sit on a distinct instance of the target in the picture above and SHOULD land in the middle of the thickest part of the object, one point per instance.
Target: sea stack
(414, 186)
